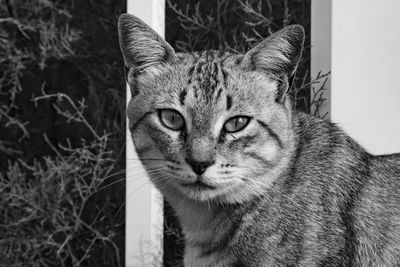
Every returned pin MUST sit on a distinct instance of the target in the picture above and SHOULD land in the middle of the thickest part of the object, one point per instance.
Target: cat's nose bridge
(201, 149)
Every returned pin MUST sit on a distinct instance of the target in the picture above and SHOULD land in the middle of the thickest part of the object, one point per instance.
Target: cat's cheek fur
(167, 140)
(146, 149)
(266, 153)
(142, 141)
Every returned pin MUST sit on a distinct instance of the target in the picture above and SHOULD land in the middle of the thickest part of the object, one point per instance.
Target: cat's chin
(200, 193)
(175, 192)
(221, 195)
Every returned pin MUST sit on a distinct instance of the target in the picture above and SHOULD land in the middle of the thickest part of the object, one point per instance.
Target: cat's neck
(193, 215)
(204, 222)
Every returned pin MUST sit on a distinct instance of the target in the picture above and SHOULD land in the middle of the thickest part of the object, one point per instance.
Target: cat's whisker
(128, 197)
(117, 181)
(149, 159)
(155, 178)
(128, 170)
(120, 172)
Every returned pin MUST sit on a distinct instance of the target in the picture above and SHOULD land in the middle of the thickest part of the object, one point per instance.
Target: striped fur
(287, 190)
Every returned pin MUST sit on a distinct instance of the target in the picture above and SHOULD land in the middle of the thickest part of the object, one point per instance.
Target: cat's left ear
(278, 55)
(141, 46)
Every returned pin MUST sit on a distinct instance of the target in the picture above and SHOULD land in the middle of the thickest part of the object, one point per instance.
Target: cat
(252, 181)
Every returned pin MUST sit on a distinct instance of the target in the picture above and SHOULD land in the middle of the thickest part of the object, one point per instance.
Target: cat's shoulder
(395, 158)
(387, 166)
(317, 133)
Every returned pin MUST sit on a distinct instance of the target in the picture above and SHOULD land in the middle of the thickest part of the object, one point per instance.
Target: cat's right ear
(278, 56)
(141, 46)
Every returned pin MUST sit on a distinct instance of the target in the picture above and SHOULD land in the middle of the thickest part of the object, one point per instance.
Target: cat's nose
(199, 167)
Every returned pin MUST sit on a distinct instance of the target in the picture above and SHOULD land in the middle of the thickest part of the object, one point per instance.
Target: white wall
(144, 209)
(365, 97)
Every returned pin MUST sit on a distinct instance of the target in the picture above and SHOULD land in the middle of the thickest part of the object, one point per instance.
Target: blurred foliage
(62, 138)
(237, 26)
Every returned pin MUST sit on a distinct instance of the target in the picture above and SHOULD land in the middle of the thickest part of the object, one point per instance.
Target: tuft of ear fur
(279, 53)
(277, 56)
(141, 46)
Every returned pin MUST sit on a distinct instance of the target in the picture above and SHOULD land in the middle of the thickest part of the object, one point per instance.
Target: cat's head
(210, 125)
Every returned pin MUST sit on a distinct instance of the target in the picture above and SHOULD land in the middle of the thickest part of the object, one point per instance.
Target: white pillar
(144, 204)
(365, 56)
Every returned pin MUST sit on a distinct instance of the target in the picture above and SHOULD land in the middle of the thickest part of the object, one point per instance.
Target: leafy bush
(62, 138)
(49, 209)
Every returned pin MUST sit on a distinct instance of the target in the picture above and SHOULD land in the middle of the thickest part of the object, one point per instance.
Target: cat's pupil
(238, 122)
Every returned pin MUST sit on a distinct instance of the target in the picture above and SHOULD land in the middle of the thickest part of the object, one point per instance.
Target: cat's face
(210, 125)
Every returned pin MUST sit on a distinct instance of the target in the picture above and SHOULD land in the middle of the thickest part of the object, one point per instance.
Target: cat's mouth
(199, 184)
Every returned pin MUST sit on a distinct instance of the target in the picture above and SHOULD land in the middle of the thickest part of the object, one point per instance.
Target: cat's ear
(141, 46)
(278, 55)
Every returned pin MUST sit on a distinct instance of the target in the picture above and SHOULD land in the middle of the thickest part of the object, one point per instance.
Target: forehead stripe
(224, 76)
(219, 93)
(228, 102)
(207, 77)
(190, 74)
(182, 96)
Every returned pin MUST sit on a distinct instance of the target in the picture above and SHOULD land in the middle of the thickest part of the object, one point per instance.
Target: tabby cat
(252, 181)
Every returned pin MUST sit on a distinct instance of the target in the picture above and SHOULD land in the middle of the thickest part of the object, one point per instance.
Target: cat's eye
(236, 124)
(171, 119)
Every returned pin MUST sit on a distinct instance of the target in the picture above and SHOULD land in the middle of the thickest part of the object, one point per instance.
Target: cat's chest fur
(231, 236)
